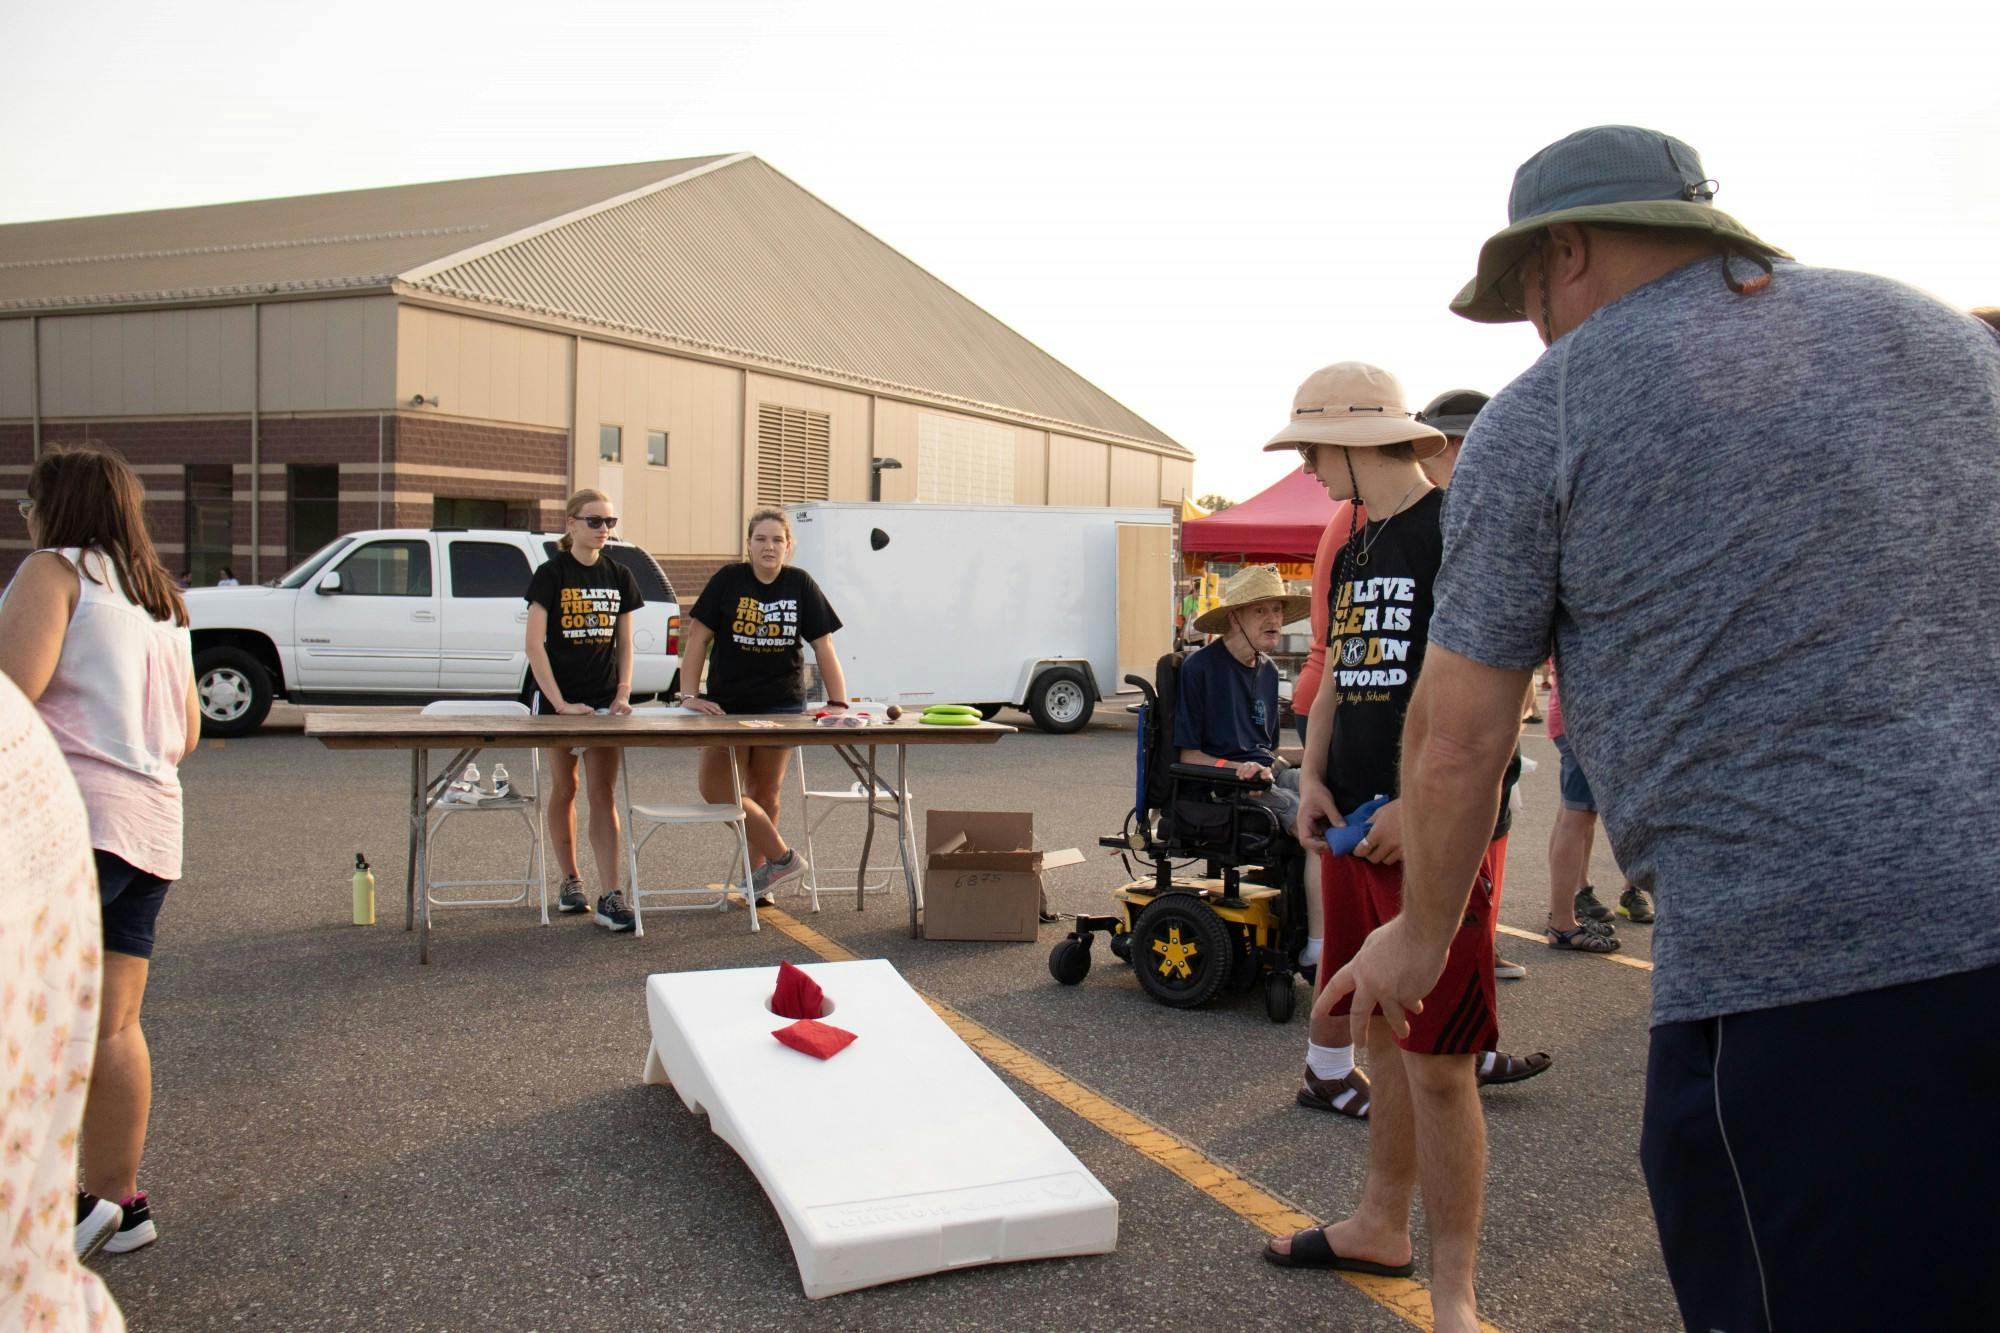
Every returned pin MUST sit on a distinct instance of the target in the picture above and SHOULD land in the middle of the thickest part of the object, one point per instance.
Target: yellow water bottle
(364, 892)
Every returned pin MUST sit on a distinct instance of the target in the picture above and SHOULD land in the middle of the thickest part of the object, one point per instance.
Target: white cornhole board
(902, 1155)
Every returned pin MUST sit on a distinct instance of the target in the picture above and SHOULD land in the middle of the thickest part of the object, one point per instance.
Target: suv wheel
(234, 690)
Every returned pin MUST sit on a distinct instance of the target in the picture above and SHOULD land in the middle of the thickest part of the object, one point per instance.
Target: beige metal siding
(1079, 471)
(153, 363)
(328, 356)
(17, 369)
(1176, 480)
(483, 368)
(1031, 467)
(1135, 479)
(896, 437)
(692, 506)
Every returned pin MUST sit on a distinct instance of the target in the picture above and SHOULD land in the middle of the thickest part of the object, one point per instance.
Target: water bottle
(465, 791)
(364, 892)
(502, 788)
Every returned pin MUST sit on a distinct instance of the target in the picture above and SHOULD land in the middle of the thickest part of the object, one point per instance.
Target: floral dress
(50, 971)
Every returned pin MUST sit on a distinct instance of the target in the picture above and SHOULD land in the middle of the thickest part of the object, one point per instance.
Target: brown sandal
(1348, 1096)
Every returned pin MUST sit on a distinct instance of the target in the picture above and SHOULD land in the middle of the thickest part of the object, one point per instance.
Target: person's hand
(709, 706)
(1317, 814)
(1393, 971)
(1248, 770)
(621, 703)
(1384, 841)
(575, 710)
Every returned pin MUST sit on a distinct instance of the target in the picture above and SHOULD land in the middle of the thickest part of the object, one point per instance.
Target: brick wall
(689, 574)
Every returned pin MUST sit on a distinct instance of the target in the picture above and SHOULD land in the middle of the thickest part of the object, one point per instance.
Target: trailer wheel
(987, 712)
(1060, 701)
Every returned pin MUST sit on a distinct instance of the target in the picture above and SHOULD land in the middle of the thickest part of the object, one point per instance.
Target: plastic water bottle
(466, 790)
(502, 788)
(364, 892)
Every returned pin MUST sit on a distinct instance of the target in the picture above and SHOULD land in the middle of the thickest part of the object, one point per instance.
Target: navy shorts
(1575, 787)
(1831, 1165)
(131, 900)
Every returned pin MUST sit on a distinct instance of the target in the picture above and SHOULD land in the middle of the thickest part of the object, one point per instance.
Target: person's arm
(34, 618)
(621, 698)
(193, 720)
(1317, 812)
(695, 638)
(1246, 769)
(1463, 723)
(830, 674)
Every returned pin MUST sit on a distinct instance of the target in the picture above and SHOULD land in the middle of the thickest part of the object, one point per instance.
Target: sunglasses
(597, 521)
(1511, 289)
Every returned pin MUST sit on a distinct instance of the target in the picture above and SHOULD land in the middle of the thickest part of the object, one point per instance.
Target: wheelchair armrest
(1221, 777)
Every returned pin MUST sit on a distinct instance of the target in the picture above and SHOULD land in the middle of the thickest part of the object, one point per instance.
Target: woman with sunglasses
(580, 605)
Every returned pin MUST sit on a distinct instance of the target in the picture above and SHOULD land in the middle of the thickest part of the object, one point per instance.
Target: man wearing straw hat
(1755, 508)
(1359, 439)
(1227, 712)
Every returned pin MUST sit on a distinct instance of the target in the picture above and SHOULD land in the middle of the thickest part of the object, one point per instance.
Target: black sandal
(1500, 1067)
(1583, 939)
(1311, 1250)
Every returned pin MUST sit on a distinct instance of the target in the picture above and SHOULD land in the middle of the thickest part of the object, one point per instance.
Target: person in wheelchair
(1226, 712)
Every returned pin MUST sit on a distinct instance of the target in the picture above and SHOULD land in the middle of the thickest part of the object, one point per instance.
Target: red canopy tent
(1281, 523)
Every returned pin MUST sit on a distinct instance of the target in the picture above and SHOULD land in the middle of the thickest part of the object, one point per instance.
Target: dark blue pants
(1832, 1165)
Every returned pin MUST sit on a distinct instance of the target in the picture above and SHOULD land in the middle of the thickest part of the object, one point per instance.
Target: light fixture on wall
(418, 400)
(876, 467)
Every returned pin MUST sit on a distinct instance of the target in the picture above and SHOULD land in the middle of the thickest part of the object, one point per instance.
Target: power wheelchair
(1241, 922)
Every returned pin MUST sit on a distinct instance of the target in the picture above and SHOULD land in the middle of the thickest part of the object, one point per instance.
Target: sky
(1192, 205)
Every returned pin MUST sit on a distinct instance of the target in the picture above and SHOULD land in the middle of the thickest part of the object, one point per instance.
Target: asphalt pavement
(343, 1139)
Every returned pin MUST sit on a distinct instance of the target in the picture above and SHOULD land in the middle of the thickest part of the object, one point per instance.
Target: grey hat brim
(1480, 302)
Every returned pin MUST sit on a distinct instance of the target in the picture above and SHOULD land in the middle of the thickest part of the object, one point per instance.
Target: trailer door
(1145, 600)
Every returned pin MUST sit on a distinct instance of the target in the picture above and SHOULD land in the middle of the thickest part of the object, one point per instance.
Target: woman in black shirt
(580, 606)
(756, 618)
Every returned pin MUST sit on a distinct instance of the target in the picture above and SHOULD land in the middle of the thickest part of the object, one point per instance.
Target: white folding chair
(523, 805)
(880, 802)
(643, 821)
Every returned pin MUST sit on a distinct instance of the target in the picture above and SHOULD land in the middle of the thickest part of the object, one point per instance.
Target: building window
(656, 448)
(458, 511)
(211, 504)
(960, 461)
(794, 454)
(312, 509)
(610, 444)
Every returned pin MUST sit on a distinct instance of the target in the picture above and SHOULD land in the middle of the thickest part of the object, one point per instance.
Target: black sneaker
(97, 1221)
(1587, 906)
(1634, 906)
(569, 898)
(137, 1231)
(612, 913)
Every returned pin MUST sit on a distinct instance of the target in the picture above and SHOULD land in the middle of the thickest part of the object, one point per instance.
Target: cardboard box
(983, 876)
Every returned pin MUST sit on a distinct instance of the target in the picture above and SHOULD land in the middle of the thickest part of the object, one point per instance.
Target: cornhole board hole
(900, 1156)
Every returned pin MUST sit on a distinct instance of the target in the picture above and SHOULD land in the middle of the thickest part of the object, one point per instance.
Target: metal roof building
(696, 337)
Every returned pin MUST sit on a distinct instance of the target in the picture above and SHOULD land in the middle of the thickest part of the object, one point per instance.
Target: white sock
(1309, 956)
(1329, 1063)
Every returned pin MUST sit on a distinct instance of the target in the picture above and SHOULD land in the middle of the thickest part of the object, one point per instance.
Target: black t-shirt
(1377, 628)
(758, 660)
(584, 603)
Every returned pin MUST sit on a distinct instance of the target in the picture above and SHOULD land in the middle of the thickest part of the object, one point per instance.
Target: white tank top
(117, 706)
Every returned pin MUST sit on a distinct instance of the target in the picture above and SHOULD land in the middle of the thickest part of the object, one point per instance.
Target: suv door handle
(423, 615)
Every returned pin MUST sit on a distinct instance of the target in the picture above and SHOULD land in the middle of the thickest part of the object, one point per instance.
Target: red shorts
(1458, 1016)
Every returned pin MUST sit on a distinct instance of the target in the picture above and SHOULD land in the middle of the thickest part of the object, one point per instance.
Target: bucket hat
(1256, 583)
(1609, 173)
(1453, 410)
(1350, 403)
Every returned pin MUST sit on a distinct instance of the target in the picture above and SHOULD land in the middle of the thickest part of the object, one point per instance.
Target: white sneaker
(97, 1220)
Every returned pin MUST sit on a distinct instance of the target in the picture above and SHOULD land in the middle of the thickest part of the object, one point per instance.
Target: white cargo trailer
(1039, 607)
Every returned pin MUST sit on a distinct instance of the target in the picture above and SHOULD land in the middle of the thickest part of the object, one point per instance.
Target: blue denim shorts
(131, 900)
(1576, 793)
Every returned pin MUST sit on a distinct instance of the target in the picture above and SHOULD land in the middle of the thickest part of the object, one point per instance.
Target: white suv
(402, 615)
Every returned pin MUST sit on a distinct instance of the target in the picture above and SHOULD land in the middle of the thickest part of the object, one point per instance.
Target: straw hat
(1350, 403)
(1257, 583)
(1610, 173)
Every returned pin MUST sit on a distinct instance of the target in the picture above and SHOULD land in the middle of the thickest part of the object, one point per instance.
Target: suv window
(653, 585)
(388, 569)
(488, 569)
(312, 564)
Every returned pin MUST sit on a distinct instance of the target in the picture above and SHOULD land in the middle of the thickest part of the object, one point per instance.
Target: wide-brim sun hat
(1609, 173)
(1255, 583)
(1453, 411)
(1350, 403)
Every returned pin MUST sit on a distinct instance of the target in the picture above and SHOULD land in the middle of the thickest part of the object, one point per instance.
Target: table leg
(749, 876)
(419, 884)
(906, 836)
(416, 835)
(867, 837)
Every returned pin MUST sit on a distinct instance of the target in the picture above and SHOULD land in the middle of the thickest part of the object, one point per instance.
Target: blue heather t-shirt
(1763, 535)
(1227, 709)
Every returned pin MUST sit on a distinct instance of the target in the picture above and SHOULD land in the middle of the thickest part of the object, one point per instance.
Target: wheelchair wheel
(1069, 961)
(1280, 999)
(1181, 951)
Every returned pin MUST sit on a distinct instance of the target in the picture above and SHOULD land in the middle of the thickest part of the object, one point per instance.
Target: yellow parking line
(1538, 938)
(1269, 1213)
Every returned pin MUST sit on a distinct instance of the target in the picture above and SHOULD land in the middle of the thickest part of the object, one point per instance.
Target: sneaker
(612, 913)
(97, 1221)
(570, 897)
(137, 1231)
(1633, 905)
(776, 874)
(1587, 906)
(1508, 971)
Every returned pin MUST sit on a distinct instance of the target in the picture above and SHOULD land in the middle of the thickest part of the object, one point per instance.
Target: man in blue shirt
(1227, 712)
